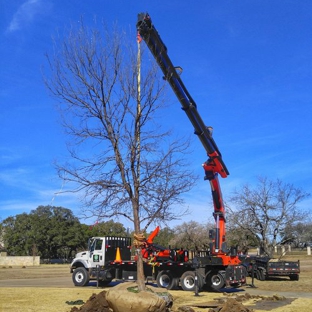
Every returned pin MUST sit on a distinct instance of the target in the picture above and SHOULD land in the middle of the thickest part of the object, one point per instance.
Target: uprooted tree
(121, 160)
(262, 213)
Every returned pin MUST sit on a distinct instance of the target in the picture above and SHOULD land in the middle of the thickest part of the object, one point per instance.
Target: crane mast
(214, 166)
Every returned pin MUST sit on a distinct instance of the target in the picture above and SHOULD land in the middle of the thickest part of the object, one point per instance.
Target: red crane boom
(214, 166)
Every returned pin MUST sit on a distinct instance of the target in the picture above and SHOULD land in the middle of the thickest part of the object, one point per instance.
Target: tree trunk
(138, 246)
(140, 272)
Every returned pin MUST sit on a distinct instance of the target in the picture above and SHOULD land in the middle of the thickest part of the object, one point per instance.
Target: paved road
(58, 282)
(52, 282)
(256, 291)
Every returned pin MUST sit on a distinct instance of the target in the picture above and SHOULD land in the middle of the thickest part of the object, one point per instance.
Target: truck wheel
(260, 274)
(80, 277)
(215, 281)
(294, 277)
(188, 281)
(165, 279)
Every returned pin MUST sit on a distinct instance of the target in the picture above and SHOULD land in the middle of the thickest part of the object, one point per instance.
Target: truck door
(97, 252)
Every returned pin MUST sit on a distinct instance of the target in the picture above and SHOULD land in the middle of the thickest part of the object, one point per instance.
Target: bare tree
(191, 235)
(265, 210)
(298, 234)
(240, 237)
(121, 160)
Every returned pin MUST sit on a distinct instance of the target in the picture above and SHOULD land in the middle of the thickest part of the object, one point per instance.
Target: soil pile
(125, 297)
(233, 303)
(96, 303)
(229, 303)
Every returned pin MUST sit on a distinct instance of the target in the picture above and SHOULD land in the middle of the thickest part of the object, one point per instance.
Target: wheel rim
(164, 280)
(189, 282)
(216, 280)
(79, 277)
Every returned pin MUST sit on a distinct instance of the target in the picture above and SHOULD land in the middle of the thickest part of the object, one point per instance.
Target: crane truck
(109, 258)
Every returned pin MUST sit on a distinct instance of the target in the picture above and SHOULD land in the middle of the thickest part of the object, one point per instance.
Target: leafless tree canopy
(298, 234)
(191, 235)
(120, 158)
(264, 211)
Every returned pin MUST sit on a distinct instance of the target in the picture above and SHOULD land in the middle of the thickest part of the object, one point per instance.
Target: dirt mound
(233, 302)
(96, 303)
(125, 297)
(229, 303)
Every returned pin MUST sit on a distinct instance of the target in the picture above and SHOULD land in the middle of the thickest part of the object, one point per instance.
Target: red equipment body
(151, 237)
(154, 253)
(214, 166)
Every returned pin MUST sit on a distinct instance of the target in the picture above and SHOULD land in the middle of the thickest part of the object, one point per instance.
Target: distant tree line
(55, 233)
(51, 233)
(267, 215)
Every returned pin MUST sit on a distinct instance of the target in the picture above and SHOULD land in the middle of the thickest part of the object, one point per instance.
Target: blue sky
(247, 64)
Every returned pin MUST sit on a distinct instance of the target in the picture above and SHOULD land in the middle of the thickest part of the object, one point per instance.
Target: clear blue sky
(247, 64)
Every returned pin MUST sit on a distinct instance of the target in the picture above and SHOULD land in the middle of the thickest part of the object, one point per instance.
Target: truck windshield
(90, 243)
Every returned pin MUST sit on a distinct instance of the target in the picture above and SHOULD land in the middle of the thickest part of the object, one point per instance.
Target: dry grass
(42, 299)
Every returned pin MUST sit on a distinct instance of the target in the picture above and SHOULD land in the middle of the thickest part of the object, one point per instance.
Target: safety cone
(118, 257)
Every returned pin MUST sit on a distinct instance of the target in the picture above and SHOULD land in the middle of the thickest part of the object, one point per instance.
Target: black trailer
(265, 267)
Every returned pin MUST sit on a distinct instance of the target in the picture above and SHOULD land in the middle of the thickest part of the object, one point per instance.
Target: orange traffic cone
(118, 257)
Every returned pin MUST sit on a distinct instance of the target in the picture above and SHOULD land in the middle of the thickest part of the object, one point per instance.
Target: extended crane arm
(214, 166)
(148, 32)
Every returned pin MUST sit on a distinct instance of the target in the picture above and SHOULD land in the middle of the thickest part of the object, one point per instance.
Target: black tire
(261, 274)
(80, 277)
(214, 281)
(294, 277)
(165, 279)
(175, 283)
(188, 281)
